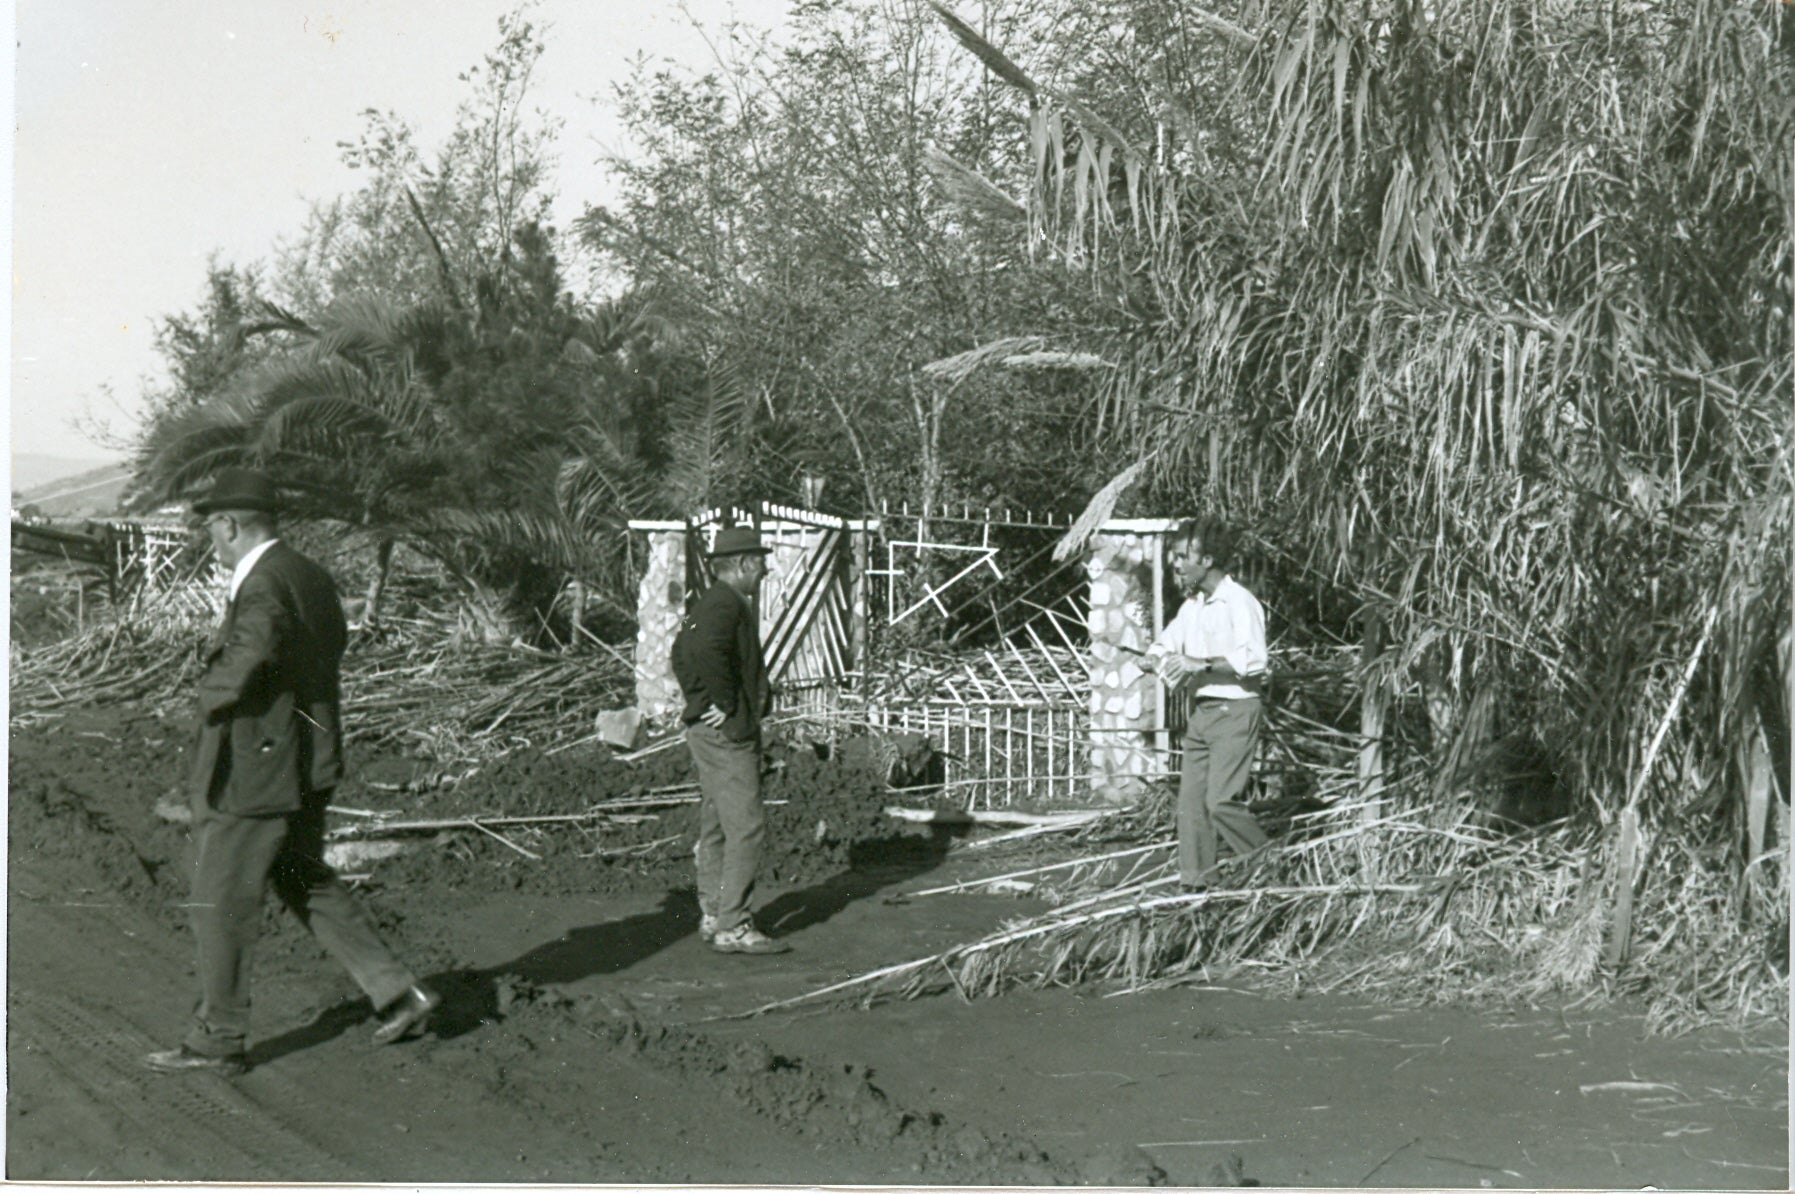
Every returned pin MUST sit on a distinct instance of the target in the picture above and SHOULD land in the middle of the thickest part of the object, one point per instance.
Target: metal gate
(805, 607)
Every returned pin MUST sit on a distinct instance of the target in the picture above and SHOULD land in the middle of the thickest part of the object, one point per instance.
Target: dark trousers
(732, 823)
(239, 858)
(1218, 759)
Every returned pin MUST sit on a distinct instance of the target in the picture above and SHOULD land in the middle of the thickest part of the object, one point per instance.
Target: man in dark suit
(270, 752)
(718, 662)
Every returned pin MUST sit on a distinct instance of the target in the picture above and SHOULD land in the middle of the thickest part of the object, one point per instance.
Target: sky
(149, 137)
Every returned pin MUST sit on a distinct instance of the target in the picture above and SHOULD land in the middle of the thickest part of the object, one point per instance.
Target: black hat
(737, 541)
(238, 489)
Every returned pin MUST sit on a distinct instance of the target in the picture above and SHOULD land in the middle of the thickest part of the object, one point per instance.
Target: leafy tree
(508, 442)
(790, 205)
(428, 225)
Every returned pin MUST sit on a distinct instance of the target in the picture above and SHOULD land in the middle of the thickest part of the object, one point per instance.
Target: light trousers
(732, 823)
(1219, 740)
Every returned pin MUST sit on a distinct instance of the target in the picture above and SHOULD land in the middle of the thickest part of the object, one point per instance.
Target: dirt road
(588, 1037)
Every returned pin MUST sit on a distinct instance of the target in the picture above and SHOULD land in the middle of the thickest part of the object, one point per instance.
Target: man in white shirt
(1215, 650)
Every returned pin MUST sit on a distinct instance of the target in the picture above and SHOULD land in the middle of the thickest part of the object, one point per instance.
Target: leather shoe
(406, 1015)
(186, 1061)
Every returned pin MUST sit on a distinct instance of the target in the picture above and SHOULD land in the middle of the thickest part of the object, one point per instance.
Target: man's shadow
(873, 865)
(471, 997)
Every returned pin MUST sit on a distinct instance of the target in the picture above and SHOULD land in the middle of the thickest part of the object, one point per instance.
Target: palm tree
(509, 443)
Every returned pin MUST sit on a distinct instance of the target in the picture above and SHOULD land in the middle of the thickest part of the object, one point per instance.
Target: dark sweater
(717, 660)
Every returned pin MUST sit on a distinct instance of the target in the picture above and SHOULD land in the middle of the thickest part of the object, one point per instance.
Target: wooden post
(1624, 863)
(383, 564)
(576, 599)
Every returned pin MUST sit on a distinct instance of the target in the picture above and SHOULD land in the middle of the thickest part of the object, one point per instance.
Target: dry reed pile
(456, 704)
(149, 652)
(1410, 900)
(412, 687)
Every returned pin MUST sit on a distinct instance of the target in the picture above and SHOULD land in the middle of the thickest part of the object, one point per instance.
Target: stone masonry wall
(1125, 705)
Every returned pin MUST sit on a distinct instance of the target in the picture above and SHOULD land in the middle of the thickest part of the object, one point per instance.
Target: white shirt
(248, 561)
(1229, 625)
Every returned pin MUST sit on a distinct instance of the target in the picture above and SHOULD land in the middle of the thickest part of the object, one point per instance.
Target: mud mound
(83, 790)
(825, 816)
(837, 1106)
(531, 783)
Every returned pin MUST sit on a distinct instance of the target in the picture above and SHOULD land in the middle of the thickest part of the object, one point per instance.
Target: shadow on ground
(471, 997)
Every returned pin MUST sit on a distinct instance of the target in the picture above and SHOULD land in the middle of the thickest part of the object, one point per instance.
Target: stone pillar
(1125, 704)
(660, 602)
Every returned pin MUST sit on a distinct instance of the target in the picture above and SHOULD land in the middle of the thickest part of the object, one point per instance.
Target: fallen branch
(505, 841)
(632, 851)
(1055, 922)
(377, 828)
(1025, 831)
(999, 816)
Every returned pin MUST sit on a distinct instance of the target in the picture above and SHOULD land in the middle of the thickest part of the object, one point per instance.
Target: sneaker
(185, 1061)
(746, 939)
(707, 925)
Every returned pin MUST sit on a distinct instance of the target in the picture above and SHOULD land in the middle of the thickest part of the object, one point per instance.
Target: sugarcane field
(805, 593)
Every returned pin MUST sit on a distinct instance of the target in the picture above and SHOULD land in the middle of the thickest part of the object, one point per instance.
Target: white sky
(150, 135)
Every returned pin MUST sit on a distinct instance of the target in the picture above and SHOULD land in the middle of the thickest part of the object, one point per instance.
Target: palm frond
(962, 365)
(1099, 510)
(970, 187)
(994, 59)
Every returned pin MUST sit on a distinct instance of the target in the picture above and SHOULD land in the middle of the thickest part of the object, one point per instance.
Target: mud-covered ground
(589, 1036)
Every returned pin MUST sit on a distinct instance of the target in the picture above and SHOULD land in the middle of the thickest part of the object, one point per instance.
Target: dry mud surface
(587, 1034)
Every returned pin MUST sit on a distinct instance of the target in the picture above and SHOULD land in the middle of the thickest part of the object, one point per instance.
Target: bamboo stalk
(1629, 819)
(967, 884)
(503, 840)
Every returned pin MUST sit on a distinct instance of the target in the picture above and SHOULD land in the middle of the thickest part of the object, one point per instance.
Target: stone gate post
(660, 602)
(1127, 705)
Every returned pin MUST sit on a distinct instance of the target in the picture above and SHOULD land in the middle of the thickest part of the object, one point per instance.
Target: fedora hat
(238, 489)
(736, 541)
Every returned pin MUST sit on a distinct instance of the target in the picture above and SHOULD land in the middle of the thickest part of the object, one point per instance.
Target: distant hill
(34, 470)
(87, 494)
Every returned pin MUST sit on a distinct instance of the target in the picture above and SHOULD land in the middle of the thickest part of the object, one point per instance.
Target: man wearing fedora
(269, 754)
(717, 659)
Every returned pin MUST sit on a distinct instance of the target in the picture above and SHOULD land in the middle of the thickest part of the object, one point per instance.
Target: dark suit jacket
(270, 702)
(717, 660)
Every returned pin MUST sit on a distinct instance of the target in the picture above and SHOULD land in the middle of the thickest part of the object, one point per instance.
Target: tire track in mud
(202, 1121)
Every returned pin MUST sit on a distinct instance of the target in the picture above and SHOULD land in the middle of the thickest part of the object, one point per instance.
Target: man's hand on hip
(713, 717)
